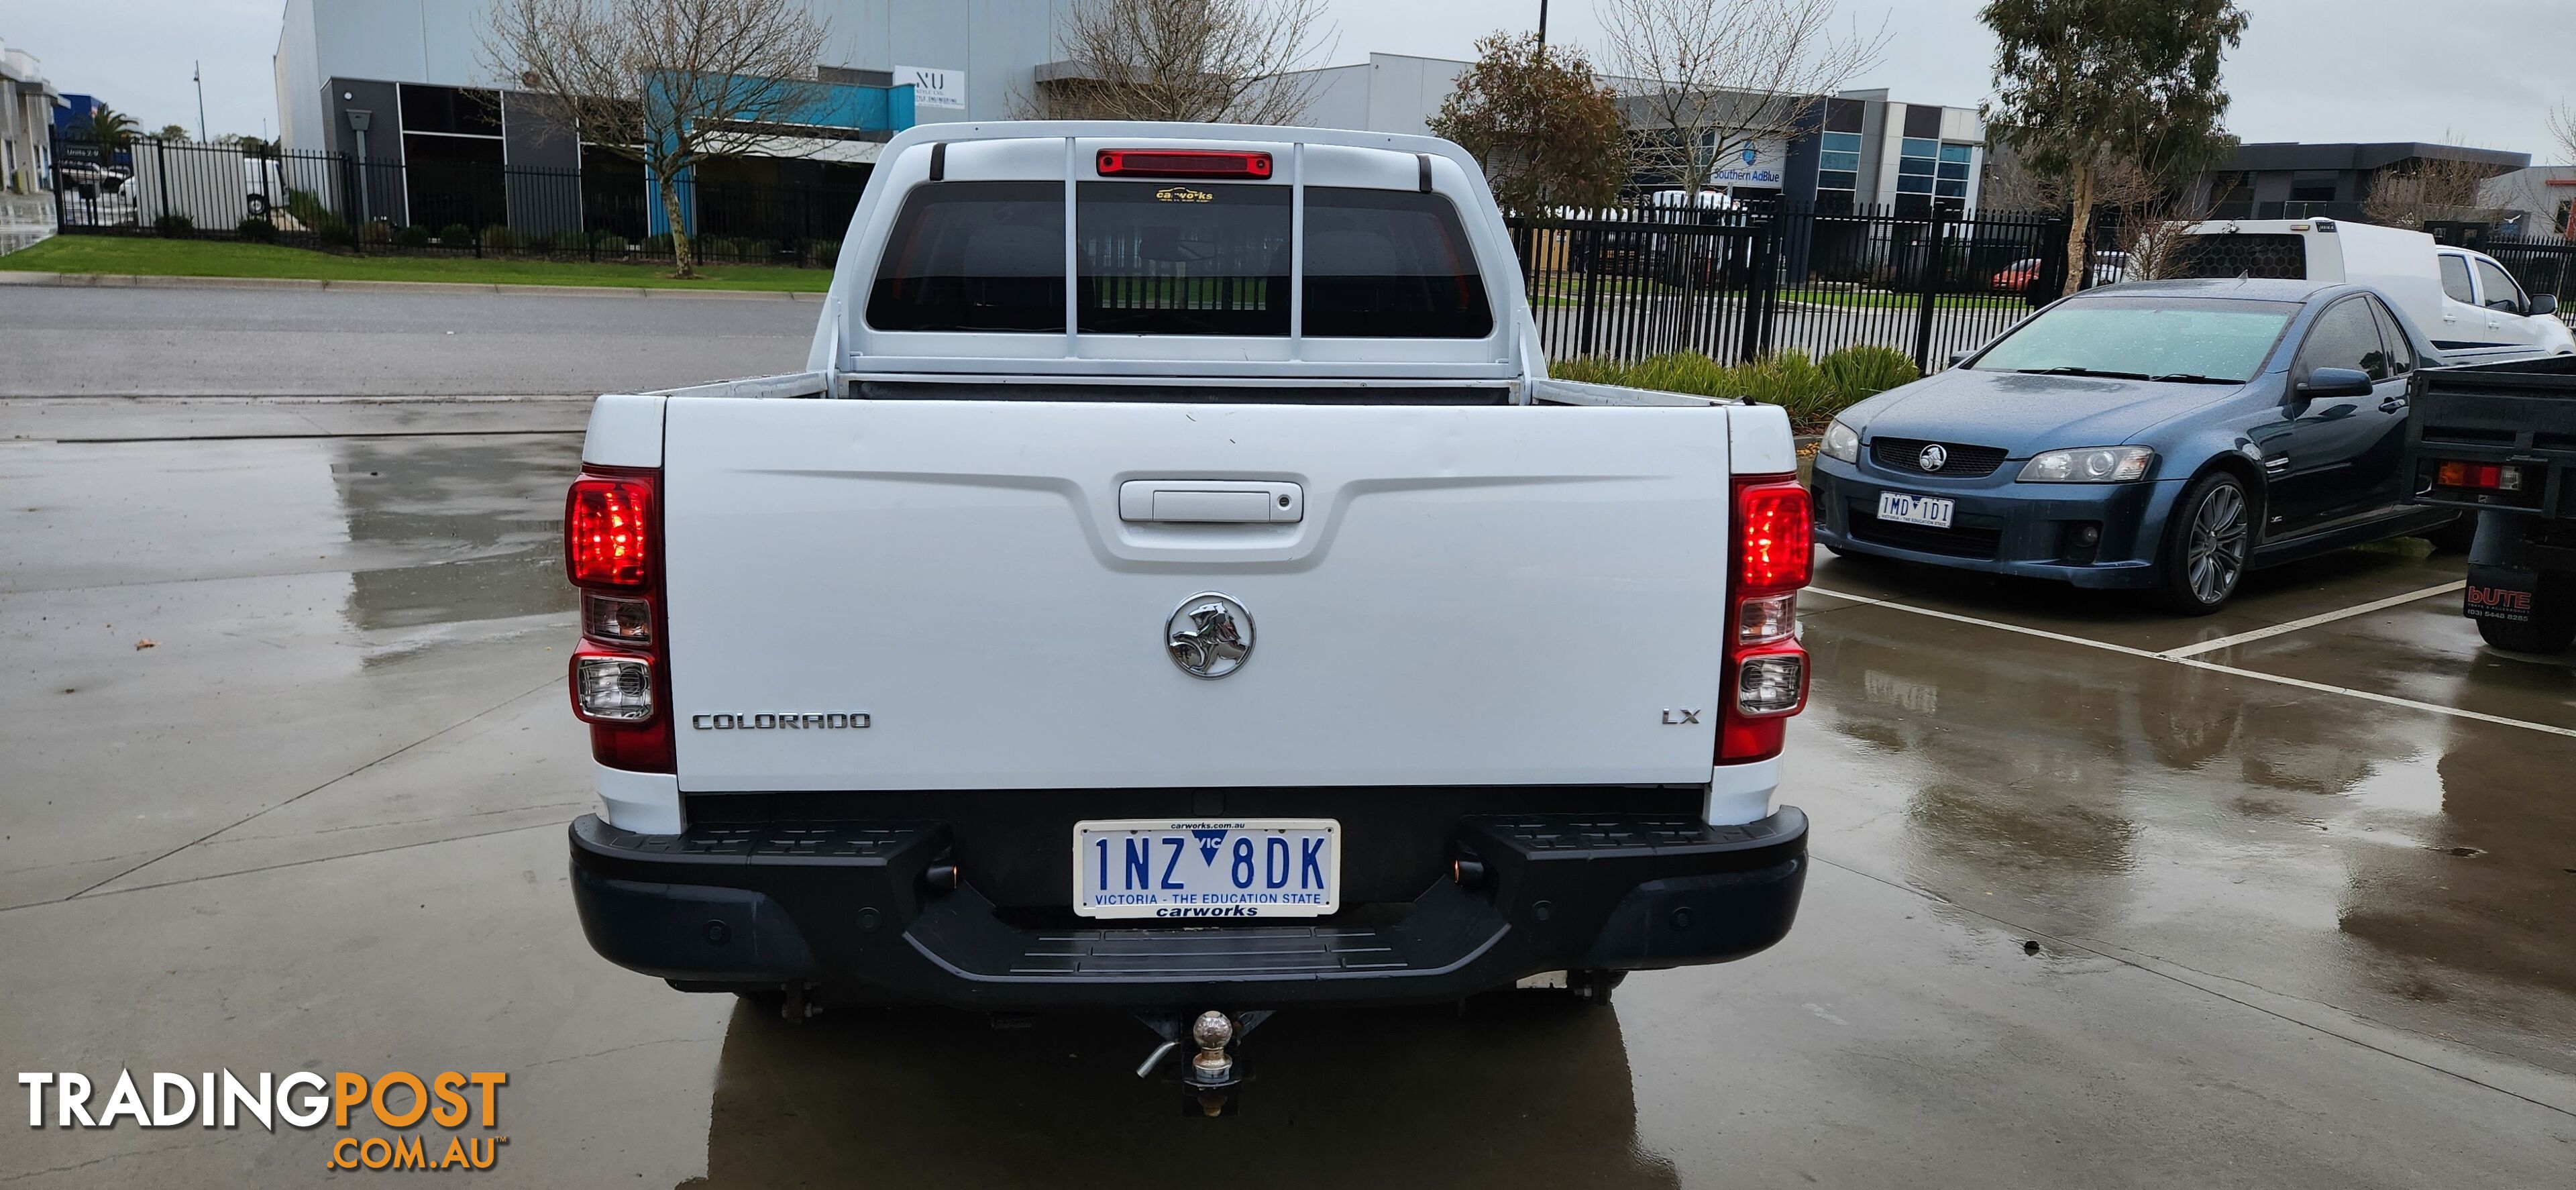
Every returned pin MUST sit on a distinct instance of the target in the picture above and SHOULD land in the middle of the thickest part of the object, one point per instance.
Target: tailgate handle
(1211, 501)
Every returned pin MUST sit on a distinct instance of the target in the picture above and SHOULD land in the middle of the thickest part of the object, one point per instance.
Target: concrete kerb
(133, 280)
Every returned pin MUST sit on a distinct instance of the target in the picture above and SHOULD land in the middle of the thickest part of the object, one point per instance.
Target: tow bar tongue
(1209, 1084)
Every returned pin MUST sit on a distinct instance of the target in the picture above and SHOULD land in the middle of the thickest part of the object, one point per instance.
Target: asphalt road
(2101, 897)
(67, 341)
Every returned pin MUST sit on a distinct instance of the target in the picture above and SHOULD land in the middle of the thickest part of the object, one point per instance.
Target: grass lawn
(153, 256)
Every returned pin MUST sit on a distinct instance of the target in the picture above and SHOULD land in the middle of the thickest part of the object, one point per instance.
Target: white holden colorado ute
(1175, 586)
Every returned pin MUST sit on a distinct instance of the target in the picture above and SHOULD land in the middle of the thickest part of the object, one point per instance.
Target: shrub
(1792, 381)
(456, 235)
(610, 241)
(1857, 373)
(568, 241)
(658, 245)
(376, 231)
(414, 236)
(827, 253)
(174, 225)
(256, 229)
(499, 238)
(309, 210)
(1811, 391)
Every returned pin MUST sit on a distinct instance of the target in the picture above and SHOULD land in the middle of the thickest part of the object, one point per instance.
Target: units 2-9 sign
(933, 86)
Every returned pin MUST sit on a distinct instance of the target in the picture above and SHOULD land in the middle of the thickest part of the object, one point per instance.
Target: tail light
(1182, 163)
(1773, 543)
(2493, 477)
(621, 684)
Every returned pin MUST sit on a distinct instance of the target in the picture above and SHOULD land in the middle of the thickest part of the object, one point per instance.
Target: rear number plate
(1252, 867)
(1929, 511)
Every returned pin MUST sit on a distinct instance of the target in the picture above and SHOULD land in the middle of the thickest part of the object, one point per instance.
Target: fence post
(1591, 269)
(161, 170)
(348, 195)
(1931, 293)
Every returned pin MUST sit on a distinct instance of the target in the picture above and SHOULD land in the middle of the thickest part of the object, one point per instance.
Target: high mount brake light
(621, 679)
(1773, 541)
(1182, 163)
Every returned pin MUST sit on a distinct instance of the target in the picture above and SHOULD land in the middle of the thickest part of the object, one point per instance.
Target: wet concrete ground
(2091, 907)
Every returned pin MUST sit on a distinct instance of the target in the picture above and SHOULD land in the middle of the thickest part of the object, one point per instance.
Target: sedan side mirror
(2543, 303)
(2333, 382)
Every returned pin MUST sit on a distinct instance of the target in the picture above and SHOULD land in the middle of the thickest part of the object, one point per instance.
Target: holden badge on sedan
(1934, 457)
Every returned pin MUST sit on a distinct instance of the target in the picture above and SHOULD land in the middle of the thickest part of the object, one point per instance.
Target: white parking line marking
(2196, 663)
(2041, 633)
(2359, 609)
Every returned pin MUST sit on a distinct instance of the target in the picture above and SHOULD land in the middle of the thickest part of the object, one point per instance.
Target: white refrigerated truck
(1175, 586)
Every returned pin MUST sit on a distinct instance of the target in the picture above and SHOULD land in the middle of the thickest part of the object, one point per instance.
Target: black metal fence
(2541, 266)
(1621, 284)
(1738, 285)
(383, 206)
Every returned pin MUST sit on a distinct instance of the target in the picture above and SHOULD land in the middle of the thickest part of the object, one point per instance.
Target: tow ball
(1210, 1083)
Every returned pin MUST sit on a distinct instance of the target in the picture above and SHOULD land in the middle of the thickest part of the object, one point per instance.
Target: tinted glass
(974, 256)
(2455, 279)
(2245, 254)
(1182, 258)
(2144, 336)
(449, 109)
(2345, 336)
(1390, 264)
(2401, 351)
(2502, 293)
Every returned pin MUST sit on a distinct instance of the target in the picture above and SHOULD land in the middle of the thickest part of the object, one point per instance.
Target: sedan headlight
(2089, 464)
(1841, 442)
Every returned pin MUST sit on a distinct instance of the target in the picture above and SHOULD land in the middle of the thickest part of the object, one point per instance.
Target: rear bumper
(843, 906)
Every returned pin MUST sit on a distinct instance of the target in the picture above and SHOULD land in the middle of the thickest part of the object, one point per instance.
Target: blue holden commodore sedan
(2166, 435)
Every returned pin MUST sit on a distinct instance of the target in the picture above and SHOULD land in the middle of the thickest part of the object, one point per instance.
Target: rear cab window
(1180, 257)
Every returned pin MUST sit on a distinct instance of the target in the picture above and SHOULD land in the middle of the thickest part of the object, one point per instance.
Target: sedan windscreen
(2145, 337)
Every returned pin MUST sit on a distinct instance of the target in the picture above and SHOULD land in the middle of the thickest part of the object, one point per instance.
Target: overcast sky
(2481, 71)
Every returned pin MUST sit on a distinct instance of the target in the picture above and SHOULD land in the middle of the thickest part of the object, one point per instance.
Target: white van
(2465, 302)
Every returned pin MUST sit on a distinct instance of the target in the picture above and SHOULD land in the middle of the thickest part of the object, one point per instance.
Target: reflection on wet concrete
(314, 605)
(1515, 1090)
(2370, 857)
(477, 520)
(2487, 891)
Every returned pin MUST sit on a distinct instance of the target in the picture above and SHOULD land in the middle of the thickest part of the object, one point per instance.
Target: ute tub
(843, 906)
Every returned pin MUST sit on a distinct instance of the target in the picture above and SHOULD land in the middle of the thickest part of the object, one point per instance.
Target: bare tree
(2154, 215)
(1199, 61)
(2562, 129)
(2434, 188)
(1712, 77)
(670, 83)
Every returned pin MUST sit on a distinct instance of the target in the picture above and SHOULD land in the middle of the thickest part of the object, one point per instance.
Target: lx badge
(1688, 715)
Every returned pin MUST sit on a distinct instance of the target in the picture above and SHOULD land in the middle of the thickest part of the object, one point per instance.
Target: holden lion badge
(1210, 635)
